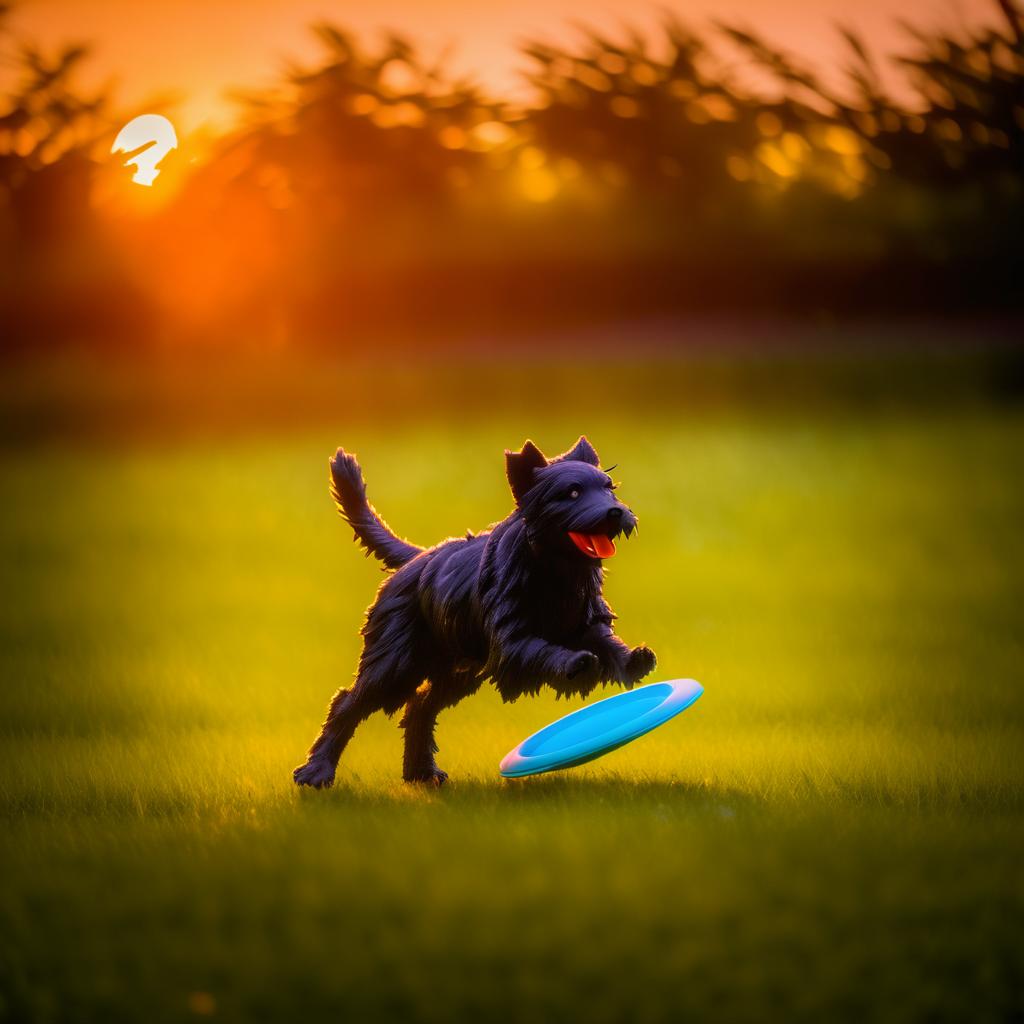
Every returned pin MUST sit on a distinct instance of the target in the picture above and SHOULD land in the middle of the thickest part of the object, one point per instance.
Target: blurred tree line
(376, 190)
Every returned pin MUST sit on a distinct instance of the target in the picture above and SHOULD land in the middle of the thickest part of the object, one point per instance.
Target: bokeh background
(766, 257)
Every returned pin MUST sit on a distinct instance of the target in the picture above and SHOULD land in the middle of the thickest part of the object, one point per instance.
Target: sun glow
(147, 139)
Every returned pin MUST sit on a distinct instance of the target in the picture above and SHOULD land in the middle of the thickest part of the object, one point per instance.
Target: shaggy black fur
(520, 604)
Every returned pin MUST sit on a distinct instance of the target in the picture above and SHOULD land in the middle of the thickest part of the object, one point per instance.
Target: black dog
(520, 604)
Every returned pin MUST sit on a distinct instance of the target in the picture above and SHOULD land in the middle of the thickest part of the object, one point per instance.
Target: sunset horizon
(156, 56)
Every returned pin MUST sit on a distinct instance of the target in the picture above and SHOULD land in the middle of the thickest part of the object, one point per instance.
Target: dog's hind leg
(391, 666)
(420, 720)
(388, 676)
(348, 708)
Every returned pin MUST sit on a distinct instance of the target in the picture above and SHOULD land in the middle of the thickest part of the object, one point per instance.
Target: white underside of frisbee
(600, 728)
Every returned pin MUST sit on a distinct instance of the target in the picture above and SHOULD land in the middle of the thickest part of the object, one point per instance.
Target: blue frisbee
(599, 728)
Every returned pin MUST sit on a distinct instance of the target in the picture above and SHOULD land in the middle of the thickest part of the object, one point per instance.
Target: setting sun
(149, 138)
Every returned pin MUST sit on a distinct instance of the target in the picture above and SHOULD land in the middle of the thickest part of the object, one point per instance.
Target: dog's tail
(349, 492)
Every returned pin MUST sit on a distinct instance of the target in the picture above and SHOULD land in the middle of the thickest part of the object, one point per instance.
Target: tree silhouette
(640, 172)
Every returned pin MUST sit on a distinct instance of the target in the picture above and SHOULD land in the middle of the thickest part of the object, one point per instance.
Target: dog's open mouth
(596, 545)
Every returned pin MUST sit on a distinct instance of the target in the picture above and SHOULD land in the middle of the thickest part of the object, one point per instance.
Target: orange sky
(196, 48)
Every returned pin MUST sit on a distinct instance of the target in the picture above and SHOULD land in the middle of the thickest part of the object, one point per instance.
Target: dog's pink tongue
(597, 545)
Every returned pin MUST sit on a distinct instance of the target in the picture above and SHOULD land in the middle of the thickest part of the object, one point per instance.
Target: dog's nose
(615, 513)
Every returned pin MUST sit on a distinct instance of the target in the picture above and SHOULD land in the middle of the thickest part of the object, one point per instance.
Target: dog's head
(568, 502)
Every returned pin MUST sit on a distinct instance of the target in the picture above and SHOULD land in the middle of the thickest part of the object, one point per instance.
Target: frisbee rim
(682, 693)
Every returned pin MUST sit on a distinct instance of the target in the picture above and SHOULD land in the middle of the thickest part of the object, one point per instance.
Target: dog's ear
(520, 466)
(582, 451)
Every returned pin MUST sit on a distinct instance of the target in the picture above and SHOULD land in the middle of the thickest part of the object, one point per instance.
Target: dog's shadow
(551, 791)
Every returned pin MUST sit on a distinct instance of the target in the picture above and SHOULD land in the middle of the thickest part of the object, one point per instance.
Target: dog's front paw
(434, 776)
(583, 663)
(641, 661)
(316, 773)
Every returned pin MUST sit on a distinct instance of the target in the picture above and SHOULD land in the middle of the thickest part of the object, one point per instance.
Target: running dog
(520, 604)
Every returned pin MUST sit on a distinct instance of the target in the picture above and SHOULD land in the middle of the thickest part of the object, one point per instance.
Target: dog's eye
(574, 492)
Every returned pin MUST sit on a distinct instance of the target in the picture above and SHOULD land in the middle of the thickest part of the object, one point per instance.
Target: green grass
(834, 831)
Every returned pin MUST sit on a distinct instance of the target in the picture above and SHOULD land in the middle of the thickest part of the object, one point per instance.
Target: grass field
(834, 831)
